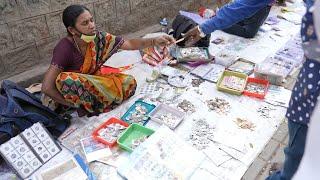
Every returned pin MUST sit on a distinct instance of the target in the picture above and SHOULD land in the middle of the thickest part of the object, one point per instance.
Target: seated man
(249, 27)
(249, 14)
(74, 78)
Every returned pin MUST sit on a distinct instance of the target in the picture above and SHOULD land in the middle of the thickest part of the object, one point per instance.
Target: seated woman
(74, 78)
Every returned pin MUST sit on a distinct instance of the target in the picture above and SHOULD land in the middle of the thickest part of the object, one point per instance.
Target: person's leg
(95, 93)
(293, 152)
(249, 27)
(128, 84)
(311, 161)
(81, 91)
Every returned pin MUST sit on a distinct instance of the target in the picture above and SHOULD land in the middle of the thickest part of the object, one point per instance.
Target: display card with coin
(29, 150)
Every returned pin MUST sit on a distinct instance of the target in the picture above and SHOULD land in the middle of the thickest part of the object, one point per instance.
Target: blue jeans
(249, 27)
(293, 152)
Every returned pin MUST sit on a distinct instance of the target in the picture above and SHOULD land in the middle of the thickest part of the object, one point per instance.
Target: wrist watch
(202, 34)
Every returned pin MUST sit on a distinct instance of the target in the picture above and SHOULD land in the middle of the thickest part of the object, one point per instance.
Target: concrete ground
(272, 152)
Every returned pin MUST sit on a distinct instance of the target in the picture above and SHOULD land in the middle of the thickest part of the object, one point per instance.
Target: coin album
(29, 150)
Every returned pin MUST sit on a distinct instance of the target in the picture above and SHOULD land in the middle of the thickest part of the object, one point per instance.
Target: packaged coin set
(242, 66)
(192, 54)
(29, 150)
(276, 68)
(210, 72)
(232, 82)
(292, 51)
(149, 88)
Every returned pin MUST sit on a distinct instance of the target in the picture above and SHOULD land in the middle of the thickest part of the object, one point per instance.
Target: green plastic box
(134, 131)
(228, 90)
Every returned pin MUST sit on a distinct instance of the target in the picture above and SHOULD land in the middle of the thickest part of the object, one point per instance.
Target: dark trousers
(249, 27)
(293, 152)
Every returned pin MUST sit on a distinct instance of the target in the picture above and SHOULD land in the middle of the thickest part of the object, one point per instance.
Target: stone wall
(29, 29)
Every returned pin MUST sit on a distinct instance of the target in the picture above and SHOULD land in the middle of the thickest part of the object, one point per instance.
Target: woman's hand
(49, 86)
(164, 40)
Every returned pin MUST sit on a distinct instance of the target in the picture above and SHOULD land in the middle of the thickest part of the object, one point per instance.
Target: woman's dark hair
(71, 13)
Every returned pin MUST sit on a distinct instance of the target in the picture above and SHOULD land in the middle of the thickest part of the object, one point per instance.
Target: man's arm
(135, 44)
(233, 13)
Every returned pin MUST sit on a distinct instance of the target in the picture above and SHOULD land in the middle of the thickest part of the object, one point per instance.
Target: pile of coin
(136, 142)
(138, 115)
(219, 105)
(255, 88)
(264, 111)
(201, 134)
(245, 124)
(196, 82)
(111, 132)
(186, 106)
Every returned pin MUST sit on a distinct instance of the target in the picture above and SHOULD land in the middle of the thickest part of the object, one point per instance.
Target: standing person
(74, 78)
(310, 163)
(304, 98)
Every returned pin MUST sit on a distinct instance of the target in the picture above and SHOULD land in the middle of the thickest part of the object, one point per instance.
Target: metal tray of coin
(164, 112)
(227, 73)
(131, 134)
(110, 143)
(191, 54)
(133, 112)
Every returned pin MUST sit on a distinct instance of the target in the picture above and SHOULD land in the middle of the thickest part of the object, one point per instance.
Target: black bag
(20, 109)
(182, 24)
